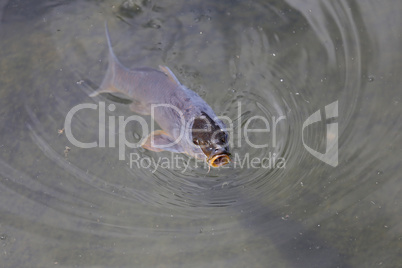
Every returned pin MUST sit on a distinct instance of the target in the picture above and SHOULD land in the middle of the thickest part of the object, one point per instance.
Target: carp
(188, 124)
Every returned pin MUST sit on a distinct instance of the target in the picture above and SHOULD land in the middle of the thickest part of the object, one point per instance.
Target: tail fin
(113, 67)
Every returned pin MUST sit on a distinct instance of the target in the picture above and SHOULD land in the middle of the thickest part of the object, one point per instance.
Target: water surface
(278, 59)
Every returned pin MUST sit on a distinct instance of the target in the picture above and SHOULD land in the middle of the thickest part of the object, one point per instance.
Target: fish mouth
(219, 160)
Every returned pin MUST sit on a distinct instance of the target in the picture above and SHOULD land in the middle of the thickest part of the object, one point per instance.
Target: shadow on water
(84, 207)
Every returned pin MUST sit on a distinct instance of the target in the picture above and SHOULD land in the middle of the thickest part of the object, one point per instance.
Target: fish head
(212, 140)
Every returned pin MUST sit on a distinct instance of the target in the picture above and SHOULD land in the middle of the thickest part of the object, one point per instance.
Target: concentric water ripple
(271, 75)
(263, 66)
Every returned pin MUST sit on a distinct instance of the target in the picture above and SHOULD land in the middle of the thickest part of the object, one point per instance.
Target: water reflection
(245, 59)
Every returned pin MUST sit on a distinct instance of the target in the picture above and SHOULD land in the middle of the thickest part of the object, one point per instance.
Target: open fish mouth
(219, 160)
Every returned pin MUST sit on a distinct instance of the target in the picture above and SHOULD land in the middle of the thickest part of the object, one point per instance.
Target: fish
(188, 124)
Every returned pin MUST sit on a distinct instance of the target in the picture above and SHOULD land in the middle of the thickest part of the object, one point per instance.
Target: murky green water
(86, 208)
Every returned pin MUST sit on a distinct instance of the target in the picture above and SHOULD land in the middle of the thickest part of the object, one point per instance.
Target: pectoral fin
(140, 108)
(159, 141)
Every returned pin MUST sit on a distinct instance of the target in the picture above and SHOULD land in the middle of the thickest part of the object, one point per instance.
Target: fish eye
(196, 141)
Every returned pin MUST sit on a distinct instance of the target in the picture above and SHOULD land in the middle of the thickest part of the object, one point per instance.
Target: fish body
(188, 124)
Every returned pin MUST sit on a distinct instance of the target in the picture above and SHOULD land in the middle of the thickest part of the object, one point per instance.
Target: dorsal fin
(170, 74)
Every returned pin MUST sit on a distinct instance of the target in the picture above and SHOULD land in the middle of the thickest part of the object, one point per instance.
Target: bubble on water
(370, 78)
